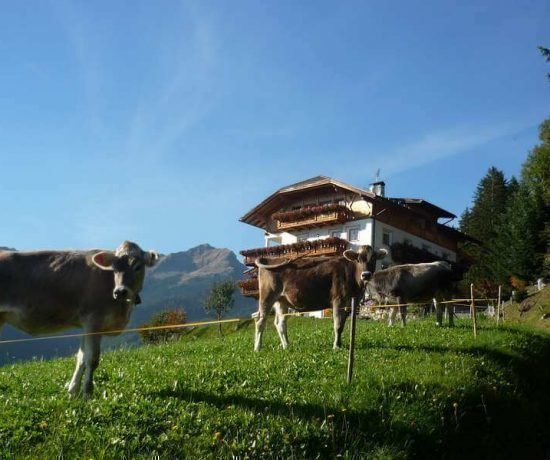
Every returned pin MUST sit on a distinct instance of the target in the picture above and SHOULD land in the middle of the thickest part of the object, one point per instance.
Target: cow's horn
(270, 266)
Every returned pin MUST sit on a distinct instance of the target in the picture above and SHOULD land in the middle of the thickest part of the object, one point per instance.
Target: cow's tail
(260, 262)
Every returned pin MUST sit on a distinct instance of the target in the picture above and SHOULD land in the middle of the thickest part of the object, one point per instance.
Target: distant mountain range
(179, 280)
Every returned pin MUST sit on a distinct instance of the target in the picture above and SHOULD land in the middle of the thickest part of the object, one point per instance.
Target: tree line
(511, 220)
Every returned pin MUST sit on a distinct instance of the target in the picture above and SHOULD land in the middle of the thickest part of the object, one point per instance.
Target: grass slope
(533, 311)
(418, 392)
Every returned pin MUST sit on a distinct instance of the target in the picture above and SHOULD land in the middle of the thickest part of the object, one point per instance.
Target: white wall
(362, 228)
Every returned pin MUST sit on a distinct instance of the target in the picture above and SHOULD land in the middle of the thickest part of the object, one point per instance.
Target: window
(302, 237)
(387, 237)
(445, 255)
(425, 247)
(353, 234)
(336, 233)
(408, 242)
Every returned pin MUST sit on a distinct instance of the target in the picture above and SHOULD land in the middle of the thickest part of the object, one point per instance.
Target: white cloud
(443, 144)
(184, 93)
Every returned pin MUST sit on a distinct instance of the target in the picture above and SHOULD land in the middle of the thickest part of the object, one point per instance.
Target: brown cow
(48, 291)
(311, 284)
(412, 283)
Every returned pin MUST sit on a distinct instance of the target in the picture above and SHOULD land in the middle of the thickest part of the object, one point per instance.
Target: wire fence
(233, 320)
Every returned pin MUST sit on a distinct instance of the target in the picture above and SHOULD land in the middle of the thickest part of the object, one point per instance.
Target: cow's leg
(339, 315)
(92, 348)
(403, 312)
(393, 314)
(438, 313)
(264, 308)
(451, 313)
(281, 310)
(74, 385)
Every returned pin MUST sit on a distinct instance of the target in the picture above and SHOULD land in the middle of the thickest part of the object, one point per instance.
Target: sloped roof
(259, 215)
(419, 203)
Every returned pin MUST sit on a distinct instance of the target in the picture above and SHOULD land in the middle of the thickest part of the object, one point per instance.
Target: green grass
(418, 392)
(533, 311)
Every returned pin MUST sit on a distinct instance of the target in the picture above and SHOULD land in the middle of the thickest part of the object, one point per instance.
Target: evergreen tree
(512, 220)
(482, 221)
(517, 241)
(536, 176)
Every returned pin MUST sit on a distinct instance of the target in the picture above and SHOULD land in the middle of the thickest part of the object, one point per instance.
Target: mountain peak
(185, 278)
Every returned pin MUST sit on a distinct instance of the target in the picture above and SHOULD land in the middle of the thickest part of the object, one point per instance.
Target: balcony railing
(327, 246)
(249, 288)
(312, 216)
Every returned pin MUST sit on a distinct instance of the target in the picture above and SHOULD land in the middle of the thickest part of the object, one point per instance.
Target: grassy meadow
(418, 392)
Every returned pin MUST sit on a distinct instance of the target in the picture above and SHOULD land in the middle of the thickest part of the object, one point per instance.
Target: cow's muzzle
(121, 293)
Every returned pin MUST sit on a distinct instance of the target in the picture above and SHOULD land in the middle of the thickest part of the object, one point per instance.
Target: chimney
(378, 188)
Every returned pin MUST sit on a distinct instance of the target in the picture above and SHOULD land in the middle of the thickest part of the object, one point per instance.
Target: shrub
(518, 283)
(164, 318)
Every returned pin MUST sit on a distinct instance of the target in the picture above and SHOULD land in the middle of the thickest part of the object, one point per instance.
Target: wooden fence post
(473, 310)
(351, 355)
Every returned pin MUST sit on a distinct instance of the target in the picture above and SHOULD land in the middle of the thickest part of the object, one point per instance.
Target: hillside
(418, 392)
(180, 279)
(534, 311)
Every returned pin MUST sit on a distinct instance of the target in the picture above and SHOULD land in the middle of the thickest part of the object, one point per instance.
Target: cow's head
(128, 264)
(365, 259)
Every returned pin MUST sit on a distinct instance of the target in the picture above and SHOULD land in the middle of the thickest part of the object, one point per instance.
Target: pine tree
(482, 221)
(536, 176)
(512, 219)
(517, 241)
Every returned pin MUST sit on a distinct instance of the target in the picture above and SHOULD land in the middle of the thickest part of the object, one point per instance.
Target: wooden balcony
(312, 216)
(249, 288)
(323, 247)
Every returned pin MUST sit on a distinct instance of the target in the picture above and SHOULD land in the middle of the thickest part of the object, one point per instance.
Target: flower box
(312, 216)
(326, 246)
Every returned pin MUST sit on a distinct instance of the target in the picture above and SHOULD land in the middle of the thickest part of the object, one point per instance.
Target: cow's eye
(138, 267)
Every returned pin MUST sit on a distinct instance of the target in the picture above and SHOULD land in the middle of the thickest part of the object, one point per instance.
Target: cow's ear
(104, 260)
(151, 258)
(351, 255)
(381, 253)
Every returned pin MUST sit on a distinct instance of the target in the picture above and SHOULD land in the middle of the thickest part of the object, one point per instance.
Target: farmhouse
(324, 216)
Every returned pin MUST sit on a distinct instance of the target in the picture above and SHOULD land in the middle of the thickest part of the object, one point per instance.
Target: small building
(324, 216)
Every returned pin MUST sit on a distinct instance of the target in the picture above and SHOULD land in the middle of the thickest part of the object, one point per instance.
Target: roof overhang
(260, 214)
(418, 203)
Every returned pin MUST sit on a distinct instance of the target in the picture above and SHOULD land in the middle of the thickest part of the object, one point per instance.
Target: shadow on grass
(511, 420)
(362, 430)
(484, 426)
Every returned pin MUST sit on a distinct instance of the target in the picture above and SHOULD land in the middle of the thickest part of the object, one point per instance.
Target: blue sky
(164, 122)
